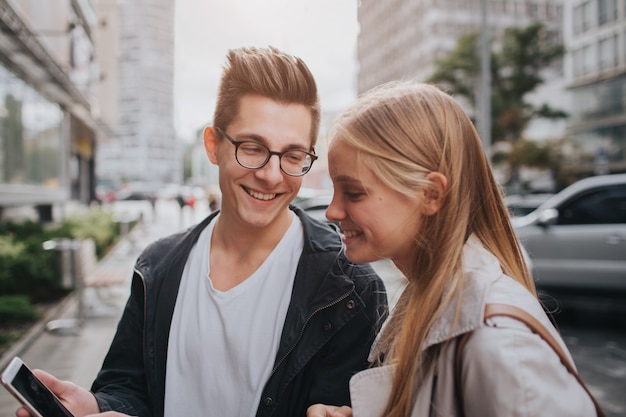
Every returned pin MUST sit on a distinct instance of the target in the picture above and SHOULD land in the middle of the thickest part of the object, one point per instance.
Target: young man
(255, 311)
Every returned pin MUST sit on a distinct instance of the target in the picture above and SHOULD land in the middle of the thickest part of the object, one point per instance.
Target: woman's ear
(435, 193)
(210, 144)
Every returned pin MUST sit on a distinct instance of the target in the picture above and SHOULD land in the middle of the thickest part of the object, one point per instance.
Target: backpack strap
(507, 310)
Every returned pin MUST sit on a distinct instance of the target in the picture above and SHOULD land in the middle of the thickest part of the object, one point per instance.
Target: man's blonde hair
(270, 73)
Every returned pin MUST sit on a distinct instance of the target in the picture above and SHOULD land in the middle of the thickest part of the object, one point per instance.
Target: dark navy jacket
(335, 311)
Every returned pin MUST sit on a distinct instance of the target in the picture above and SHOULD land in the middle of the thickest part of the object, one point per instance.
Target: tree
(460, 69)
(515, 72)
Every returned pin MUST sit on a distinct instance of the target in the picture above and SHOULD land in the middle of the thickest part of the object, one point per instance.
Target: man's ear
(435, 193)
(210, 144)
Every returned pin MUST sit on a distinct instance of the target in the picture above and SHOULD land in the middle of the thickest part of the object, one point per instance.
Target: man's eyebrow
(262, 139)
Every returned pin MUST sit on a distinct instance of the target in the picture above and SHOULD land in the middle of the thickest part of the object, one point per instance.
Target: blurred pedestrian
(255, 311)
(180, 199)
(213, 203)
(412, 183)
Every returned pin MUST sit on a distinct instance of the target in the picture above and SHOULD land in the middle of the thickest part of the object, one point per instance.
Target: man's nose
(271, 171)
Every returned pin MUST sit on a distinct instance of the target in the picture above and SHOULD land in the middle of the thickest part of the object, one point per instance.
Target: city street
(116, 104)
(596, 338)
(600, 355)
(595, 333)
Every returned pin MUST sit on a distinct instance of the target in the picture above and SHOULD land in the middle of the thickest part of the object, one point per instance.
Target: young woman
(412, 183)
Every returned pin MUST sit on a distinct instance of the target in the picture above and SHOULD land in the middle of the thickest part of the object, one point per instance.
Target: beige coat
(507, 369)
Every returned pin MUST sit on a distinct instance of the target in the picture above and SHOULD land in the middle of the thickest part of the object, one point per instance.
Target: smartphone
(20, 381)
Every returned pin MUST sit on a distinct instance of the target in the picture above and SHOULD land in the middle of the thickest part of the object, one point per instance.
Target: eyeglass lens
(255, 155)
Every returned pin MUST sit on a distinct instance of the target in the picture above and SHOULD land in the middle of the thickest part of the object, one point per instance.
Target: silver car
(577, 238)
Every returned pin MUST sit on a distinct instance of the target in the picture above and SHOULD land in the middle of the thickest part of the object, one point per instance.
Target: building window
(608, 53)
(577, 62)
(624, 46)
(587, 16)
(551, 12)
(607, 11)
(600, 101)
(582, 17)
(587, 60)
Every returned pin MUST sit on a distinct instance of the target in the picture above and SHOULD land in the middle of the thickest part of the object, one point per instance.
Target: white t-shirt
(222, 345)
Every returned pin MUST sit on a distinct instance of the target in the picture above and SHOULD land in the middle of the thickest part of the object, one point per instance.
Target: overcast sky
(322, 32)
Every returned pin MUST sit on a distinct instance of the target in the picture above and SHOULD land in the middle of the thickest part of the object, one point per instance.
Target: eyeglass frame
(238, 143)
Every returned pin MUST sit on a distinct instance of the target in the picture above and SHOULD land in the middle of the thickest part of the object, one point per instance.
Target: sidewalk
(77, 356)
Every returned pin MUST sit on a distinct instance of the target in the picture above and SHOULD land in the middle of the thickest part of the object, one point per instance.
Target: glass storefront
(31, 138)
(599, 123)
(608, 142)
(599, 100)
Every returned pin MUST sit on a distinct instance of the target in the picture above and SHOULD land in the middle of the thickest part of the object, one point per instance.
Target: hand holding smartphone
(20, 381)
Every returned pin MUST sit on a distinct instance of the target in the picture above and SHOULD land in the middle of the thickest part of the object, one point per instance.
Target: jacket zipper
(337, 301)
(145, 307)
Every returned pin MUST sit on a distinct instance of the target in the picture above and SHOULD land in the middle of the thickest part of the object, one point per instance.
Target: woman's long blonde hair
(400, 131)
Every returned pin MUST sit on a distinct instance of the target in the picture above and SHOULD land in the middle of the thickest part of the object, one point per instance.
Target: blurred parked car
(522, 204)
(316, 207)
(137, 190)
(314, 202)
(577, 238)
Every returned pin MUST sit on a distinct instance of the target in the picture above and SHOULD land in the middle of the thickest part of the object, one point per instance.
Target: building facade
(402, 39)
(595, 35)
(49, 126)
(138, 90)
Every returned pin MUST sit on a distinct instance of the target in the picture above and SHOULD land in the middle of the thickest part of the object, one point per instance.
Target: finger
(316, 410)
(49, 380)
(22, 412)
(77, 399)
(344, 411)
(322, 410)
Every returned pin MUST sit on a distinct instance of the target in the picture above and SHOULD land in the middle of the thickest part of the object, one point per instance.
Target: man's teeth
(261, 196)
(351, 233)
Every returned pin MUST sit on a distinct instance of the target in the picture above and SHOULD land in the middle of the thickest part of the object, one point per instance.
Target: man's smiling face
(258, 198)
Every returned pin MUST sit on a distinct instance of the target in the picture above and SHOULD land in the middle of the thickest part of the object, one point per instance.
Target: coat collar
(480, 270)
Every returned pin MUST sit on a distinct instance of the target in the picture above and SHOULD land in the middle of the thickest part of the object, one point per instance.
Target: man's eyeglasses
(254, 155)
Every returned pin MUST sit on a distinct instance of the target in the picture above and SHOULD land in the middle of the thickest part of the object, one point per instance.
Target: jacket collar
(322, 245)
(315, 287)
(480, 270)
(318, 238)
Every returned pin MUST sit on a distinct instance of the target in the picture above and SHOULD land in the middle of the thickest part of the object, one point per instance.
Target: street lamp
(484, 96)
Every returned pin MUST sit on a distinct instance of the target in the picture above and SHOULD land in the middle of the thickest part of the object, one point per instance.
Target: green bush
(26, 268)
(16, 309)
(29, 274)
(96, 224)
(16, 314)
(10, 252)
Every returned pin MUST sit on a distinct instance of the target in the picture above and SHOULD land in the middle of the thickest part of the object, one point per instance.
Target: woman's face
(377, 221)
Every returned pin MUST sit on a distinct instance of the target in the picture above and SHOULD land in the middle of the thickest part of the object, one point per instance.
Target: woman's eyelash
(353, 196)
